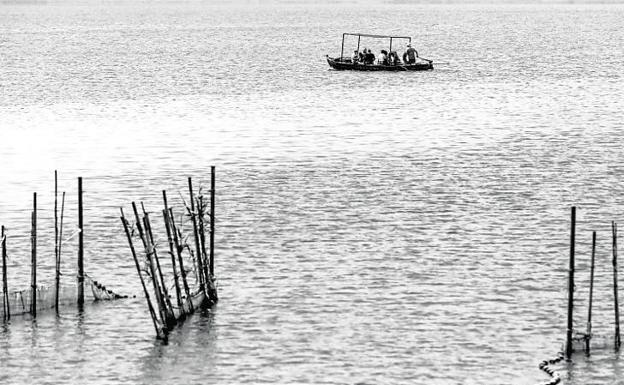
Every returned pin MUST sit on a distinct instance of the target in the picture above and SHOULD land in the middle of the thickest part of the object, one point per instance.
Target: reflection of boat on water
(346, 63)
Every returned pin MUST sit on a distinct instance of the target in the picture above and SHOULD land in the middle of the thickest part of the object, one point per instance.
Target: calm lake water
(371, 228)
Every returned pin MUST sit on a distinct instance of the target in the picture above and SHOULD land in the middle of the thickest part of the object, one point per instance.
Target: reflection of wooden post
(5, 284)
(33, 261)
(571, 286)
(80, 246)
(591, 295)
(212, 218)
(618, 342)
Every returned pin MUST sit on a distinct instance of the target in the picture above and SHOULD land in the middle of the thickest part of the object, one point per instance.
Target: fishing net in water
(20, 301)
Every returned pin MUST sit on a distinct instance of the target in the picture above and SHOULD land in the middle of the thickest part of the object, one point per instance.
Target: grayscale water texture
(373, 228)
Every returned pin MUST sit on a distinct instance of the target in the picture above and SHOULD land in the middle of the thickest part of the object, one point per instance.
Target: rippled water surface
(371, 228)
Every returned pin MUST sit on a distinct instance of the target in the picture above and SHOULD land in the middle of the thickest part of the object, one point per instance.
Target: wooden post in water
(165, 293)
(212, 218)
(56, 243)
(618, 342)
(60, 248)
(159, 333)
(568, 351)
(198, 255)
(5, 284)
(153, 272)
(33, 261)
(172, 252)
(201, 208)
(179, 249)
(591, 295)
(80, 246)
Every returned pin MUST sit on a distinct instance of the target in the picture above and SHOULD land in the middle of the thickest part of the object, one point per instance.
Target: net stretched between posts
(20, 300)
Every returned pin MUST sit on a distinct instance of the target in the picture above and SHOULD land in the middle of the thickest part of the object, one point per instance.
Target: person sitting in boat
(410, 55)
(370, 57)
(393, 58)
(362, 56)
(356, 57)
(383, 58)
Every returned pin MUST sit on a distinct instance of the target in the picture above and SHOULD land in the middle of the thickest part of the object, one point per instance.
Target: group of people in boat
(385, 57)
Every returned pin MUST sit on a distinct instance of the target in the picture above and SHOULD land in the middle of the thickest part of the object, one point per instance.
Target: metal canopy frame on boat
(359, 35)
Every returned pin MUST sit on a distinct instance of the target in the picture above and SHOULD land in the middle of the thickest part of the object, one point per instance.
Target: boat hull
(348, 66)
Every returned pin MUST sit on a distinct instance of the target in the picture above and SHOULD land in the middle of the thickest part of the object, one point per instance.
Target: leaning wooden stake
(571, 287)
(5, 284)
(153, 273)
(591, 295)
(80, 246)
(179, 249)
(202, 236)
(171, 320)
(212, 218)
(618, 342)
(198, 254)
(59, 253)
(173, 255)
(161, 333)
(33, 261)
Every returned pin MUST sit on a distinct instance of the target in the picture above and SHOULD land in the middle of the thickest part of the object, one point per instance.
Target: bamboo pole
(171, 251)
(173, 259)
(618, 341)
(591, 295)
(80, 246)
(6, 305)
(196, 237)
(33, 261)
(59, 253)
(170, 319)
(167, 301)
(179, 249)
(154, 275)
(571, 286)
(56, 242)
(202, 236)
(212, 218)
(161, 334)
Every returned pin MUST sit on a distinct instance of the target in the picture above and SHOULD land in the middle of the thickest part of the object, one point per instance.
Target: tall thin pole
(618, 342)
(358, 48)
(56, 243)
(136, 262)
(173, 255)
(80, 246)
(196, 235)
(33, 276)
(5, 284)
(571, 286)
(179, 249)
(342, 48)
(591, 295)
(212, 218)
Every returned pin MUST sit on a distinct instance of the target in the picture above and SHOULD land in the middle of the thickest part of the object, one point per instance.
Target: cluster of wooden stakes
(195, 287)
(582, 340)
(188, 297)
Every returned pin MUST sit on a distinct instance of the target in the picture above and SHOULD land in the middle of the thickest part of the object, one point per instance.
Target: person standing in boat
(356, 57)
(410, 55)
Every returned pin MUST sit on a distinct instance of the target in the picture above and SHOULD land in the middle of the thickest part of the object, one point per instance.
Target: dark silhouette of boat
(346, 63)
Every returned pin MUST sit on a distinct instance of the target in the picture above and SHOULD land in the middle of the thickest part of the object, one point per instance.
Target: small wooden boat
(346, 63)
